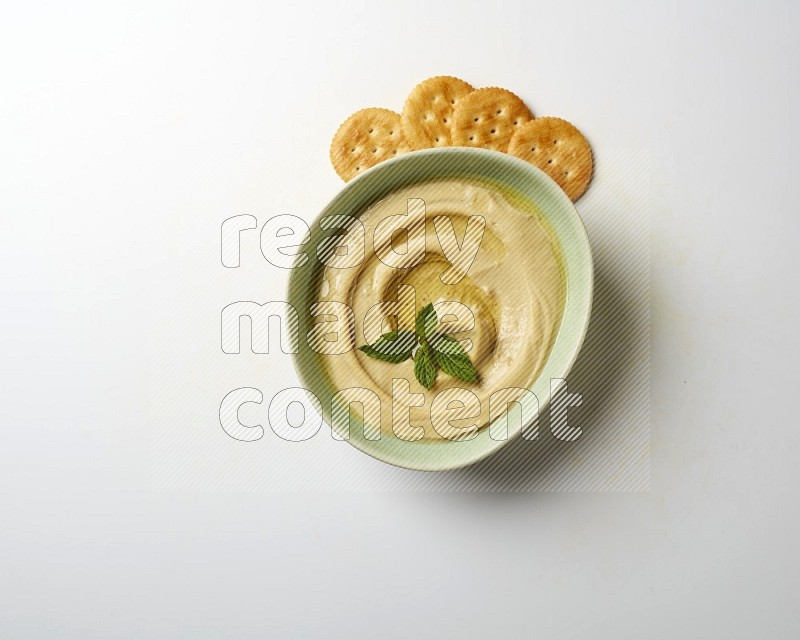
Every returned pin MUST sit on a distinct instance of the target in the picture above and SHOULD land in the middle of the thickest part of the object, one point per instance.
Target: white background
(128, 134)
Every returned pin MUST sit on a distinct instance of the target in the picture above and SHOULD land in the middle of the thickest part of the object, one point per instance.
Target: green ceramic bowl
(512, 176)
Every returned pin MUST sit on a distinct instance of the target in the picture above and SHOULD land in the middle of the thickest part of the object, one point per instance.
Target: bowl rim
(456, 161)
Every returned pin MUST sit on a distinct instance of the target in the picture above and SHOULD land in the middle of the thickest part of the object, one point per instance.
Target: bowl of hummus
(441, 298)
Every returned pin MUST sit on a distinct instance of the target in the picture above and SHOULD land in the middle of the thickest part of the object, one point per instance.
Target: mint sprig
(432, 349)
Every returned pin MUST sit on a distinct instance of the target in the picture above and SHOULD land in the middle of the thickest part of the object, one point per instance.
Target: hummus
(504, 306)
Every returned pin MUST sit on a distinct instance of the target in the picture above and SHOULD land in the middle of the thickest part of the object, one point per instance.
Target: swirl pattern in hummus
(513, 289)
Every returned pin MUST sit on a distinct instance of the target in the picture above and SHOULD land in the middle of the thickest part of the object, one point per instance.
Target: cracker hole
(452, 102)
(394, 152)
(476, 119)
(516, 122)
(391, 133)
(533, 148)
(374, 151)
(494, 130)
(555, 141)
(445, 119)
(437, 139)
(550, 161)
(499, 111)
(371, 130)
(472, 137)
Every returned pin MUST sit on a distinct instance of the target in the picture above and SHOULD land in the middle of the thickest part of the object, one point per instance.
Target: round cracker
(427, 115)
(366, 138)
(557, 148)
(488, 118)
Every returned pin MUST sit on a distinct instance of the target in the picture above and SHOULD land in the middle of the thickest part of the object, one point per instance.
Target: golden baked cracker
(366, 138)
(427, 115)
(488, 118)
(557, 148)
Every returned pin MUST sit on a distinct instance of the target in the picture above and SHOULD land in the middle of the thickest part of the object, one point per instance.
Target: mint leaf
(424, 369)
(457, 366)
(442, 343)
(426, 321)
(394, 346)
(386, 357)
